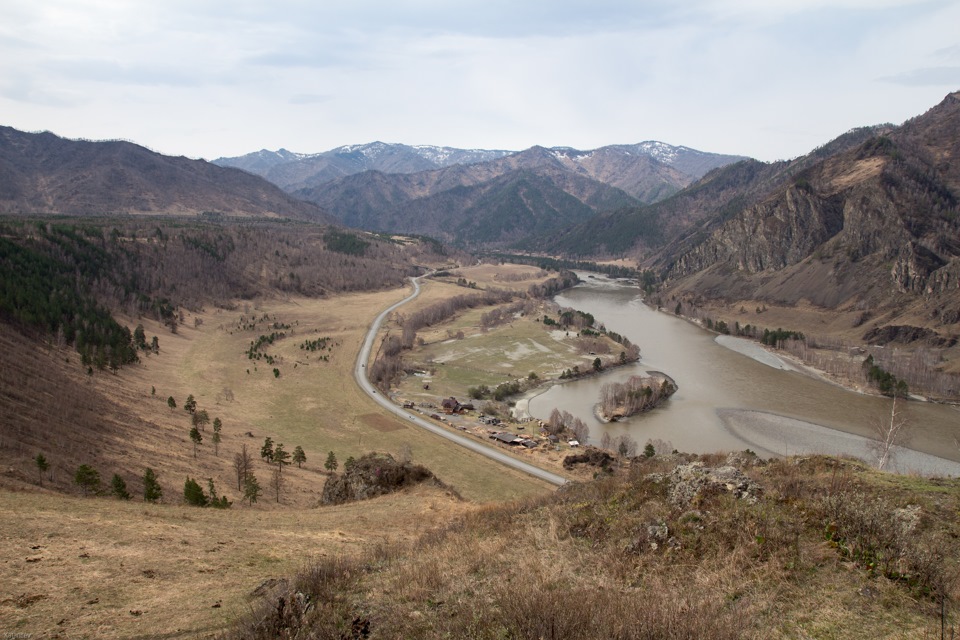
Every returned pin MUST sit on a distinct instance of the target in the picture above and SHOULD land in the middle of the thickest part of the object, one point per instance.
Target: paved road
(360, 375)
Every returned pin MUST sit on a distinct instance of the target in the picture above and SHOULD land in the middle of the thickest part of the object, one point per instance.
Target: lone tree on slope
(331, 464)
(299, 456)
(87, 478)
(152, 492)
(217, 426)
(42, 466)
(197, 439)
(280, 456)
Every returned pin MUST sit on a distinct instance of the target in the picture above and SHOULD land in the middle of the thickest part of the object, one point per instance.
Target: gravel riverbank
(769, 433)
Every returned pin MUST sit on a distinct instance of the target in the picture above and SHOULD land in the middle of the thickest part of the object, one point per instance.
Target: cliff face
(876, 223)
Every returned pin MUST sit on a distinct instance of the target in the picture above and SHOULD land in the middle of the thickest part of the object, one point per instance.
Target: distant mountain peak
(622, 166)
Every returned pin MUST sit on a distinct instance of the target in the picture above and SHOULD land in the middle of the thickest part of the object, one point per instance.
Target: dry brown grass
(315, 404)
(516, 277)
(101, 568)
(166, 561)
(583, 564)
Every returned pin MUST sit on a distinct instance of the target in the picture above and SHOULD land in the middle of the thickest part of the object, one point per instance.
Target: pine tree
(299, 456)
(193, 493)
(118, 487)
(139, 337)
(191, 404)
(266, 451)
(217, 502)
(276, 480)
(280, 456)
(152, 492)
(42, 466)
(217, 426)
(251, 488)
(87, 478)
(197, 439)
(171, 402)
(331, 464)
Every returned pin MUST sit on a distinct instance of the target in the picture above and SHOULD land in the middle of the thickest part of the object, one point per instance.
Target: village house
(452, 405)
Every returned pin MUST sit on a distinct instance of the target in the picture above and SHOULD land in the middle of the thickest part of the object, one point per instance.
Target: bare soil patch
(382, 423)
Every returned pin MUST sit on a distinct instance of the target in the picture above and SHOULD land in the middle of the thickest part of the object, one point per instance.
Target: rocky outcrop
(590, 456)
(906, 334)
(691, 482)
(877, 223)
(373, 475)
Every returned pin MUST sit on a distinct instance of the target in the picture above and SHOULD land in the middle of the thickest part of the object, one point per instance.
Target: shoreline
(782, 436)
(794, 363)
(521, 407)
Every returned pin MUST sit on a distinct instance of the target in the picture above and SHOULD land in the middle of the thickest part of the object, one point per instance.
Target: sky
(770, 79)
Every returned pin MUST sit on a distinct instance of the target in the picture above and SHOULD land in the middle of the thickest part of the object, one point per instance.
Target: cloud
(310, 98)
(948, 77)
(24, 89)
(220, 77)
(133, 73)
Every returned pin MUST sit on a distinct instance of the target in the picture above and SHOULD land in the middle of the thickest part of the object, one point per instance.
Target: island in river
(637, 394)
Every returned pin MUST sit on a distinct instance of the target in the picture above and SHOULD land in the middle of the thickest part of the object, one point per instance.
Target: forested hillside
(86, 298)
(62, 279)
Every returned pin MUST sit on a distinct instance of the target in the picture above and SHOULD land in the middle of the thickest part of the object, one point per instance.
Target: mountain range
(865, 222)
(868, 221)
(476, 197)
(292, 171)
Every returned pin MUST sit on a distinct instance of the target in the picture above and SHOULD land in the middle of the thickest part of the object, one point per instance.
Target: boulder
(690, 482)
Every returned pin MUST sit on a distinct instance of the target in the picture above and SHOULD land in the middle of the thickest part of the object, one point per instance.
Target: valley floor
(99, 567)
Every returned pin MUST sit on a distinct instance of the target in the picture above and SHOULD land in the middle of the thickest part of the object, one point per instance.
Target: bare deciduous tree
(277, 482)
(888, 433)
(242, 463)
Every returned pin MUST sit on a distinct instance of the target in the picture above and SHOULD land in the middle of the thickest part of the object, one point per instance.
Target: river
(729, 401)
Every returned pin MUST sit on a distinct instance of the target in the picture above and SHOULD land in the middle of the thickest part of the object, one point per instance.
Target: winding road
(365, 384)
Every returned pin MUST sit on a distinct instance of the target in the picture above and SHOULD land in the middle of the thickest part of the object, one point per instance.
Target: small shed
(507, 438)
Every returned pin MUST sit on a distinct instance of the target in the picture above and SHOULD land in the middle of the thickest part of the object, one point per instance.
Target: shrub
(193, 493)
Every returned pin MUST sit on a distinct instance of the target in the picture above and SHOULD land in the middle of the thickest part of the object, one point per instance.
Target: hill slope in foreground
(675, 547)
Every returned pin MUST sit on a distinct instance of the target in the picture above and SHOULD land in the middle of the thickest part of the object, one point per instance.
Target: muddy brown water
(711, 377)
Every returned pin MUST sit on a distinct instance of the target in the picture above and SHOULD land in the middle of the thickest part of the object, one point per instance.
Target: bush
(152, 492)
(87, 478)
(874, 533)
(193, 493)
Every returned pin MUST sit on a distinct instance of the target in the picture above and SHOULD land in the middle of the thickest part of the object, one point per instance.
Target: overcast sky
(770, 79)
